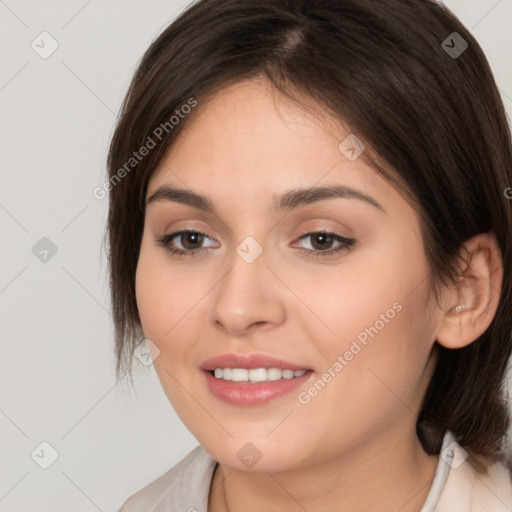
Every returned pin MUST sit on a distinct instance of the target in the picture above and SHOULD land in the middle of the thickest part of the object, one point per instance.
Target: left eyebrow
(290, 200)
(305, 196)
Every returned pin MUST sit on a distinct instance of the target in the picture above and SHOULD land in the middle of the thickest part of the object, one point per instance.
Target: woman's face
(263, 284)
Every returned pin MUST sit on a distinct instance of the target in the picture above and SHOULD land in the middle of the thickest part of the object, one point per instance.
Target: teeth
(256, 374)
(287, 374)
(238, 374)
(274, 373)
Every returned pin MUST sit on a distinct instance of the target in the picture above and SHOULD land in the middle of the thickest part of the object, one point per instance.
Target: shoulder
(476, 487)
(185, 486)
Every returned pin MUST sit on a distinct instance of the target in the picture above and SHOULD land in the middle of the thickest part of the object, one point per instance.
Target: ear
(469, 310)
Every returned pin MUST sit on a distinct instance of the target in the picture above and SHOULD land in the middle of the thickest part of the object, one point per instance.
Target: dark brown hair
(434, 119)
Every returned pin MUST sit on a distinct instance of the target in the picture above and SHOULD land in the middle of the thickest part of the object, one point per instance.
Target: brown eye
(184, 243)
(322, 243)
(190, 239)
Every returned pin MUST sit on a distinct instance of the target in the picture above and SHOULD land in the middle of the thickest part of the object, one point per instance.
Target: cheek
(378, 339)
(365, 387)
(381, 374)
(385, 269)
(165, 300)
(164, 294)
(153, 296)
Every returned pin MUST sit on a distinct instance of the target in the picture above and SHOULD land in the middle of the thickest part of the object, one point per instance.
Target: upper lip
(248, 361)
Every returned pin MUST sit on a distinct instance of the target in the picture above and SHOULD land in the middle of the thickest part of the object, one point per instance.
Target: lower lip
(247, 393)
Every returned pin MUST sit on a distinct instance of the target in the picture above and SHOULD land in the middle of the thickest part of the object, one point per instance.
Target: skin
(353, 446)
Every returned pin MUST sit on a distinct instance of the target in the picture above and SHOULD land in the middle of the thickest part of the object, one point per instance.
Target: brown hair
(436, 119)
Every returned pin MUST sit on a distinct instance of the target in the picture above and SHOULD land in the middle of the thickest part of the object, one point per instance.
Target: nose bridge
(246, 295)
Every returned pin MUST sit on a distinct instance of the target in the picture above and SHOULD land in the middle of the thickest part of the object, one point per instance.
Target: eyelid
(327, 224)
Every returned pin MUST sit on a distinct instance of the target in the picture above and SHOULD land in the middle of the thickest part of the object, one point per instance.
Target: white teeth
(274, 373)
(239, 374)
(256, 374)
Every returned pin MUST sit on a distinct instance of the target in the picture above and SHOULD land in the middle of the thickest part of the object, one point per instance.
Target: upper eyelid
(206, 218)
(192, 226)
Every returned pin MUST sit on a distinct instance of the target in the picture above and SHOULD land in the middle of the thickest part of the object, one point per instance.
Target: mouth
(252, 380)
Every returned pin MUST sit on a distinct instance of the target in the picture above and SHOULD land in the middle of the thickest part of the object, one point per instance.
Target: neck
(377, 476)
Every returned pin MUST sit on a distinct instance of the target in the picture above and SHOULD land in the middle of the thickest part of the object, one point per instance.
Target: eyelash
(346, 244)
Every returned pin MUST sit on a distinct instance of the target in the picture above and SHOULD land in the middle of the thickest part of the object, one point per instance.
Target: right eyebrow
(183, 196)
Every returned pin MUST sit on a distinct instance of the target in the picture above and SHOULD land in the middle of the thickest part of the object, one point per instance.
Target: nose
(248, 296)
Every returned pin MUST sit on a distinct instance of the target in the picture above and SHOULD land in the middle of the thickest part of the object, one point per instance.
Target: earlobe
(471, 308)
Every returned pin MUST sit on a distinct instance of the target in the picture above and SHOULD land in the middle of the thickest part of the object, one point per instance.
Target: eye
(190, 242)
(322, 243)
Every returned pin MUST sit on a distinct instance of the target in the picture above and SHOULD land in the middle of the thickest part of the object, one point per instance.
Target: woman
(310, 230)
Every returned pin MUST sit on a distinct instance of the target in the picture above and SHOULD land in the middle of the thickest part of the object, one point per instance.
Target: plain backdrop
(57, 366)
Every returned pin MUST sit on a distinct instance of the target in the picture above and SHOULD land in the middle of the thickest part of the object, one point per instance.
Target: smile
(255, 375)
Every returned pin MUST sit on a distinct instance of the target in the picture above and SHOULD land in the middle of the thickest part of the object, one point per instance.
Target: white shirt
(457, 486)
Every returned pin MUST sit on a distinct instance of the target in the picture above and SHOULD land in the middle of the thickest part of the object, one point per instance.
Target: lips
(251, 393)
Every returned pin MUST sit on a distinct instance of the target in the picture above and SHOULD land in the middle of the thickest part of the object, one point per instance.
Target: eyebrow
(290, 200)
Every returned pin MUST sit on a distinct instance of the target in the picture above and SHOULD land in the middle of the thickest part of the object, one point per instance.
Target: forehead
(249, 143)
(251, 120)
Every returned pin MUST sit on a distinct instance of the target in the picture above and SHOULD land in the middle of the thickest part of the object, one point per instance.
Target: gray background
(57, 365)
